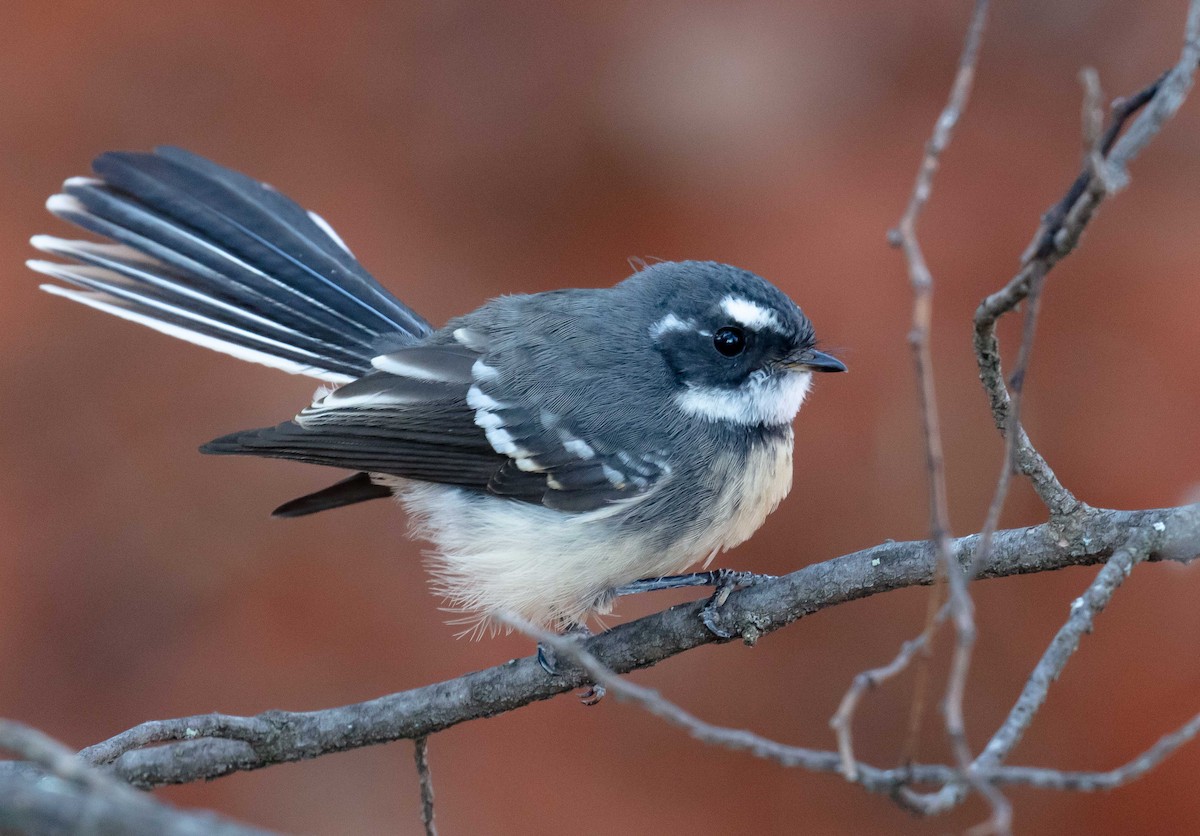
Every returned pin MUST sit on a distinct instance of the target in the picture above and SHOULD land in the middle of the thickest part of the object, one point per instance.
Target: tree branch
(1059, 233)
(54, 791)
(1084, 610)
(212, 745)
(895, 782)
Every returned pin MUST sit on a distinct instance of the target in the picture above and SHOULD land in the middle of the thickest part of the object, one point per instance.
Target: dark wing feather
(438, 413)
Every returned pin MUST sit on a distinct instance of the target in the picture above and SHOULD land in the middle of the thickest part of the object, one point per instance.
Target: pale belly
(554, 569)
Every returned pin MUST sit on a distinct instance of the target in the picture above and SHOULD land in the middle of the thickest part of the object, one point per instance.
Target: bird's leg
(548, 659)
(725, 581)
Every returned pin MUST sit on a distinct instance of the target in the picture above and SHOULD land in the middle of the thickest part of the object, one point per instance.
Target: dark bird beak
(811, 360)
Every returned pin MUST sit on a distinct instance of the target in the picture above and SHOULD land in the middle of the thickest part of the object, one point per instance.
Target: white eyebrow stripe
(751, 314)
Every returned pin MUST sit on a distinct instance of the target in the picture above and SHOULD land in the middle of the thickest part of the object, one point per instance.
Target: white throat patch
(761, 400)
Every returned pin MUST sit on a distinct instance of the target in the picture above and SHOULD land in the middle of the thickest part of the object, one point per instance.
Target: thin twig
(54, 757)
(869, 680)
(1095, 142)
(1084, 610)
(1093, 118)
(1104, 172)
(421, 758)
(905, 236)
(921, 676)
(1099, 781)
(1167, 100)
(1106, 158)
(1059, 233)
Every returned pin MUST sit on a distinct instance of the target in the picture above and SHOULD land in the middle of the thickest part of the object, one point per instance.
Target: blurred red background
(465, 150)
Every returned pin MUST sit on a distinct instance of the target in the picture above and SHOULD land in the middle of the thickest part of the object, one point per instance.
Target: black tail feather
(213, 270)
(212, 256)
(358, 488)
(198, 201)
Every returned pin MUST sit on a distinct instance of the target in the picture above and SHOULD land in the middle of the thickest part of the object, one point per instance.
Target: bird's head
(738, 348)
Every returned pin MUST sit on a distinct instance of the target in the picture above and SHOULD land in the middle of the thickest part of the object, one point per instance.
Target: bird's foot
(592, 694)
(725, 581)
(548, 659)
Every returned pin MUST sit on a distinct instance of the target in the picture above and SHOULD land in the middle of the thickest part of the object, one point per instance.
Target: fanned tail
(213, 257)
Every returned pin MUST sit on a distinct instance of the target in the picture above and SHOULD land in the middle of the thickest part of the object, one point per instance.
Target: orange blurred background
(465, 150)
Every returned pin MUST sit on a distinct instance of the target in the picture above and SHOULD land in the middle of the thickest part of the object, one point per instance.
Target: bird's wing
(440, 413)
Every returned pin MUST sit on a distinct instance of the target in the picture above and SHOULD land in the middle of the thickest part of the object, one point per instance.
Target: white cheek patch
(768, 401)
(751, 314)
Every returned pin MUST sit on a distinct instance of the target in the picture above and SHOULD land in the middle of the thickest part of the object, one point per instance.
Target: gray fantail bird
(554, 447)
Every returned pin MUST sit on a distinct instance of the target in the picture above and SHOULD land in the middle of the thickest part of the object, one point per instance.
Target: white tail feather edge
(80, 250)
(111, 305)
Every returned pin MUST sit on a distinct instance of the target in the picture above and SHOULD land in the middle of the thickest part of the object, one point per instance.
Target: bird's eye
(730, 340)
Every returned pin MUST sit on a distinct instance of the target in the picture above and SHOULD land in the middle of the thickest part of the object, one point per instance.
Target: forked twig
(1106, 158)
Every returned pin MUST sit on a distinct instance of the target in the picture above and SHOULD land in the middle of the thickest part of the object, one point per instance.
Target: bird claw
(712, 620)
(725, 581)
(593, 694)
(548, 660)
